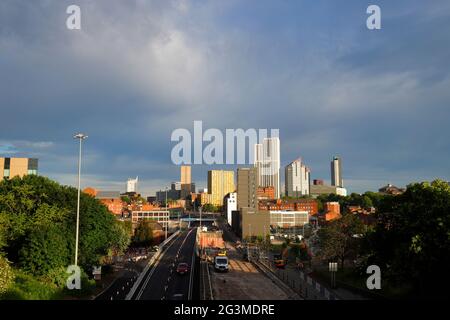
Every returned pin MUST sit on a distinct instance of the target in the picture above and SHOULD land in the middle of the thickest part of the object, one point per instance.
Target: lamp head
(80, 136)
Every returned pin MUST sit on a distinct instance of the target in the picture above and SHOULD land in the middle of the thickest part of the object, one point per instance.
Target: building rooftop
(108, 195)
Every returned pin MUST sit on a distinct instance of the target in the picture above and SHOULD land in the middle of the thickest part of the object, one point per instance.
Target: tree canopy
(411, 240)
(338, 240)
(38, 219)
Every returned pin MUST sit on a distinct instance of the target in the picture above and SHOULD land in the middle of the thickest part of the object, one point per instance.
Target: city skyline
(314, 71)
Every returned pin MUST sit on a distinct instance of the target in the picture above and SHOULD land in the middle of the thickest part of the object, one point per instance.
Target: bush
(26, 287)
(6, 274)
(44, 250)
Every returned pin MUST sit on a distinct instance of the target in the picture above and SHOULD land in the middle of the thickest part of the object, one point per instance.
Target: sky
(137, 70)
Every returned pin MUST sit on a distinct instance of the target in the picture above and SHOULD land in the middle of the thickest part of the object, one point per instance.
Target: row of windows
(7, 172)
(155, 215)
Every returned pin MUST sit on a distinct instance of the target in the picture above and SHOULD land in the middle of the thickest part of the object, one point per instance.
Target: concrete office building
(249, 222)
(170, 194)
(288, 219)
(220, 183)
(230, 206)
(17, 167)
(160, 216)
(297, 179)
(185, 175)
(267, 162)
(186, 185)
(132, 185)
(246, 188)
(336, 173)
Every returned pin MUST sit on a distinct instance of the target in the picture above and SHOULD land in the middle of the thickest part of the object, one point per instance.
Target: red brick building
(309, 205)
(265, 193)
(332, 210)
(113, 205)
(111, 199)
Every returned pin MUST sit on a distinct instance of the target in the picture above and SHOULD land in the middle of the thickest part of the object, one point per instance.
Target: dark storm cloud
(139, 69)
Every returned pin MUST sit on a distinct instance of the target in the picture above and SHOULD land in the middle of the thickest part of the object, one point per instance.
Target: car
(178, 296)
(280, 264)
(182, 268)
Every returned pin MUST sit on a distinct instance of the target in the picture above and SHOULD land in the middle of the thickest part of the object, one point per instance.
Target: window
(7, 167)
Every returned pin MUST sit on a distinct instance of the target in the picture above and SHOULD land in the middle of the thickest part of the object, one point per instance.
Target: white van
(221, 263)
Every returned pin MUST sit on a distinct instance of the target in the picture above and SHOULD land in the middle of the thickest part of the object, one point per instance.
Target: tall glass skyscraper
(267, 162)
(297, 179)
(336, 172)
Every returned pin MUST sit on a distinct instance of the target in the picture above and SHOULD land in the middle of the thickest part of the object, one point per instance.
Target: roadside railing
(205, 279)
(297, 280)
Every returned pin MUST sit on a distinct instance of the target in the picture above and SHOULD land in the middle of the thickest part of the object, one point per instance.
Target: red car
(182, 268)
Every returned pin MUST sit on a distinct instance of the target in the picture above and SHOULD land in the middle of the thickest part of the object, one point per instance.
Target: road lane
(179, 284)
(164, 281)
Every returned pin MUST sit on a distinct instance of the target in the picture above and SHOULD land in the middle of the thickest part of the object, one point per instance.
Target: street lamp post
(200, 210)
(80, 137)
(168, 218)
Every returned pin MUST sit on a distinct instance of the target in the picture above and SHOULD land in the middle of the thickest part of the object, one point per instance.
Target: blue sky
(137, 70)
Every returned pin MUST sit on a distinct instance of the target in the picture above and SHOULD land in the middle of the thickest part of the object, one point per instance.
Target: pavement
(243, 281)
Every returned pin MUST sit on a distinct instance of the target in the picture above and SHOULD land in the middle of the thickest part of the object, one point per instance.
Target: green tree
(366, 202)
(143, 235)
(45, 249)
(411, 241)
(121, 237)
(337, 240)
(33, 206)
(126, 199)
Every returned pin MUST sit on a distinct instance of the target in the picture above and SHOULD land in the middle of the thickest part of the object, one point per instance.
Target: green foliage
(143, 235)
(6, 275)
(211, 208)
(27, 287)
(411, 241)
(3, 230)
(126, 199)
(44, 249)
(37, 227)
(366, 200)
(121, 236)
(337, 241)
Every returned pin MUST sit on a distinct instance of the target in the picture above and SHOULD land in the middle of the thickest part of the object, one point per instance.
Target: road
(120, 287)
(162, 281)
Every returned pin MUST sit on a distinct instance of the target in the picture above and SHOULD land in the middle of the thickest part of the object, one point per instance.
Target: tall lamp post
(168, 218)
(80, 137)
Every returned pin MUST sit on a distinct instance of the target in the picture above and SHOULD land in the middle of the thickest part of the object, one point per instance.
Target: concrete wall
(19, 167)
